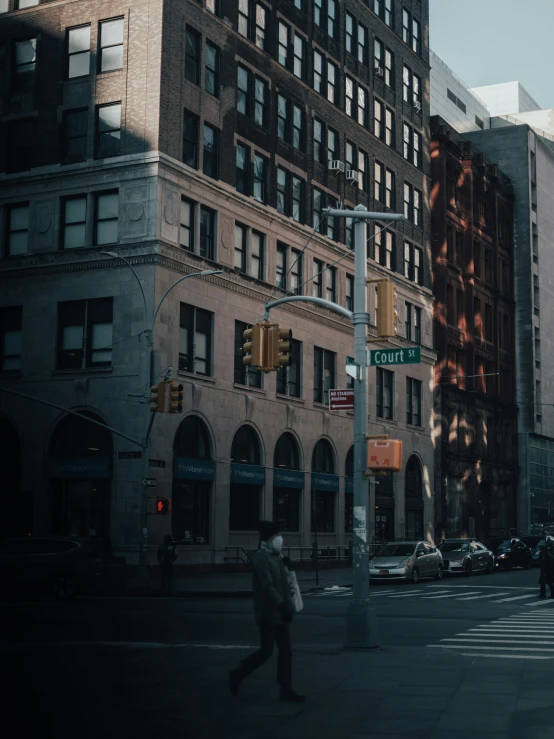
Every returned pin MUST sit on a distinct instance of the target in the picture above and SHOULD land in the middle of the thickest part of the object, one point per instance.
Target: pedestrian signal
(162, 506)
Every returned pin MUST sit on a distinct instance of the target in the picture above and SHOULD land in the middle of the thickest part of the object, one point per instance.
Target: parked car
(535, 549)
(465, 556)
(58, 566)
(406, 560)
(512, 553)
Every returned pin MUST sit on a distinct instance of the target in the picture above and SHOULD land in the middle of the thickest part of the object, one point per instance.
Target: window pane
(79, 64)
(72, 338)
(112, 58)
(75, 210)
(106, 232)
(101, 342)
(18, 243)
(19, 218)
(74, 236)
(112, 32)
(109, 117)
(79, 39)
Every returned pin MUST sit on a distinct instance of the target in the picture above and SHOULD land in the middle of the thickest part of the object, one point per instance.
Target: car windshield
(396, 550)
(505, 544)
(454, 546)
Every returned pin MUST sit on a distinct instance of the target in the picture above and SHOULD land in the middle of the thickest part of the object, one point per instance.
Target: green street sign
(379, 357)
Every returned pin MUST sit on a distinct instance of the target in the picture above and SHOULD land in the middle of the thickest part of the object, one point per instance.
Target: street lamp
(147, 381)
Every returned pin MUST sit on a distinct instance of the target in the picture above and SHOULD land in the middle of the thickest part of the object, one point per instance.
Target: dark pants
(269, 634)
(167, 580)
(544, 581)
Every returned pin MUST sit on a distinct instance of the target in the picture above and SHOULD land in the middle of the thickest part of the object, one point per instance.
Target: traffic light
(162, 506)
(277, 353)
(157, 398)
(254, 346)
(386, 309)
(175, 404)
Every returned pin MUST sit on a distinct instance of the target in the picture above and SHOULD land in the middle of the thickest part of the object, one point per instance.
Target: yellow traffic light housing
(277, 347)
(386, 309)
(254, 346)
(157, 398)
(175, 404)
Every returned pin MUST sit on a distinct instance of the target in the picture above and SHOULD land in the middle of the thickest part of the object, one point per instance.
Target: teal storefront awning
(321, 481)
(288, 478)
(185, 468)
(80, 468)
(247, 474)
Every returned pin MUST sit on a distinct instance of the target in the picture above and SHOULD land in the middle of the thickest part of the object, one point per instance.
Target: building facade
(472, 216)
(186, 136)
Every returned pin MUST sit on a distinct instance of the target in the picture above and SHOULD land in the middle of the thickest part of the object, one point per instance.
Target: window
(190, 140)
(281, 266)
(296, 273)
(378, 115)
(417, 325)
(106, 218)
(318, 71)
(412, 204)
(299, 56)
(330, 284)
(192, 56)
(350, 155)
(210, 166)
(363, 170)
(318, 12)
(257, 249)
(297, 127)
(385, 10)
(411, 87)
(195, 340)
(318, 141)
(283, 196)
(74, 222)
(78, 52)
(282, 117)
(413, 263)
(283, 51)
(244, 19)
(18, 229)
(331, 223)
(243, 90)
(289, 378)
(362, 106)
(331, 82)
(389, 127)
(290, 194)
(379, 182)
(350, 292)
(412, 145)
(324, 374)
(240, 247)
(211, 73)
(332, 145)
(416, 36)
(75, 135)
(362, 44)
(244, 375)
(85, 333)
(408, 321)
(242, 165)
(349, 33)
(385, 393)
(207, 233)
(382, 248)
(413, 401)
(417, 207)
(332, 18)
(349, 91)
(188, 213)
(10, 338)
(389, 189)
(317, 215)
(389, 68)
(259, 177)
(25, 65)
(349, 230)
(406, 26)
(260, 97)
(111, 45)
(317, 285)
(108, 130)
(214, 6)
(260, 26)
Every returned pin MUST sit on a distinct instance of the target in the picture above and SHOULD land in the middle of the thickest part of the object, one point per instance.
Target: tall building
(187, 136)
(506, 98)
(473, 264)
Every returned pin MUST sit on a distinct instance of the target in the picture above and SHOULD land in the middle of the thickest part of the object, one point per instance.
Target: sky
(490, 41)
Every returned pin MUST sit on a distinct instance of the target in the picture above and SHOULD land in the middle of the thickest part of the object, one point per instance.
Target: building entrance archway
(414, 498)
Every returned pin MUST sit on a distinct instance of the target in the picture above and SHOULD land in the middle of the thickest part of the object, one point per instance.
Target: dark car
(512, 553)
(535, 549)
(465, 556)
(58, 566)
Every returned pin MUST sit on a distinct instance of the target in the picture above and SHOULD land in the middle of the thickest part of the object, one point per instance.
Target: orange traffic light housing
(254, 346)
(384, 455)
(277, 347)
(157, 398)
(175, 404)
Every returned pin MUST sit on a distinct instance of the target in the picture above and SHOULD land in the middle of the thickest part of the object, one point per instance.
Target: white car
(406, 560)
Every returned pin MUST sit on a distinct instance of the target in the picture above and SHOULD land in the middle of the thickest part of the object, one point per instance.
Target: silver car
(406, 560)
(465, 556)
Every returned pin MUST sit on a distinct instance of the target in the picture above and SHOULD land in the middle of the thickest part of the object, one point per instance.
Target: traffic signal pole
(361, 627)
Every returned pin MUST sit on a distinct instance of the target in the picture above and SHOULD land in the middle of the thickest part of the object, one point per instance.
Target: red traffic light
(162, 505)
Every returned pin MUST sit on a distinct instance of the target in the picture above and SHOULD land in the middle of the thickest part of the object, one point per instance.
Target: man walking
(167, 555)
(273, 611)
(546, 564)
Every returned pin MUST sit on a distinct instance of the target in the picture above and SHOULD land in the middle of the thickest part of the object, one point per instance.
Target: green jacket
(271, 587)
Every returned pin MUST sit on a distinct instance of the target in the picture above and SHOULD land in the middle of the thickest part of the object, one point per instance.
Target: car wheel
(415, 576)
(490, 568)
(438, 576)
(468, 569)
(64, 587)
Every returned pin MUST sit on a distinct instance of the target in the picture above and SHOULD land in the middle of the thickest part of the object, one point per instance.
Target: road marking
(484, 595)
(450, 595)
(504, 656)
(499, 629)
(499, 649)
(498, 634)
(517, 597)
(411, 595)
(465, 640)
(548, 602)
(492, 587)
(131, 645)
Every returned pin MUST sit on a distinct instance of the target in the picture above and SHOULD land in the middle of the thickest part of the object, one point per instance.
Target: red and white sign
(341, 400)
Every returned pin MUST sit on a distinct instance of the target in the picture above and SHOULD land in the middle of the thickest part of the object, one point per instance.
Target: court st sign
(379, 357)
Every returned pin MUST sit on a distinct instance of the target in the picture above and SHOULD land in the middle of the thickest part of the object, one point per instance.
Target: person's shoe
(543, 596)
(234, 682)
(288, 695)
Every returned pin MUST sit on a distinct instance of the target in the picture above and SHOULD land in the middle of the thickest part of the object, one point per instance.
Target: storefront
(288, 484)
(414, 499)
(193, 479)
(247, 481)
(325, 486)
(80, 471)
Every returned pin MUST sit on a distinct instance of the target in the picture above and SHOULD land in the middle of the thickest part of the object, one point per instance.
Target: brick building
(199, 135)
(472, 211)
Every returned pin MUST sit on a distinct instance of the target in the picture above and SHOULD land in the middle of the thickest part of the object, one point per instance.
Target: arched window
(414, 499)
(349, 464)
(246, 446)
(192, 439)
(287, 454)
(323, 459)
(76, 437)
(413, 478)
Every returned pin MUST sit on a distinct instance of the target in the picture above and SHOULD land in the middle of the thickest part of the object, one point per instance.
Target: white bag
(296, 598)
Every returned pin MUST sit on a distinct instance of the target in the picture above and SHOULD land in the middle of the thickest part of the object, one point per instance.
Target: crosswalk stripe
(548, 602)
(517, 597)
(516, 629)
(483, 595)
(499, 649)
(450, 595)
(504, 656)
(499, 634)
(412, 595)
(549, 643)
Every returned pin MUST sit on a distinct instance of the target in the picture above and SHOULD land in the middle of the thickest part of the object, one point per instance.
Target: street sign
(352, 368)
(379, 357)
(149, 482)
(156, 463)
(341, 400)
(129, 455)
